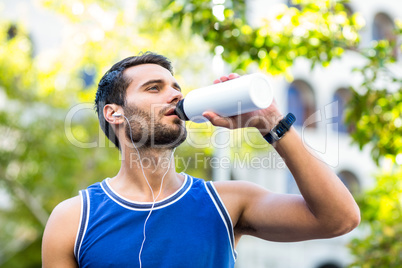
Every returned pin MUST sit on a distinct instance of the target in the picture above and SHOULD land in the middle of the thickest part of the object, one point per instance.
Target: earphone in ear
(116, 115)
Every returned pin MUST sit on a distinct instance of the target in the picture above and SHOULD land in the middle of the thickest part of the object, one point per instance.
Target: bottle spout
(179, 111)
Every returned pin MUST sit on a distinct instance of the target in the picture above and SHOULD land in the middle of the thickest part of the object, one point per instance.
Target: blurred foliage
(382, 211)
(377, 122)
(375, 114)
(40, 165)
(375, 110)
(51, 145)
(320, 31)
(323, 31)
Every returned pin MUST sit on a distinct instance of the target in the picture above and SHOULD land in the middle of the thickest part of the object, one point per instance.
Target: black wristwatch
(280, 129)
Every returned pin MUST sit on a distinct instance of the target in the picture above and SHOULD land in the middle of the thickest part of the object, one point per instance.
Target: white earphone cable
(152, 192)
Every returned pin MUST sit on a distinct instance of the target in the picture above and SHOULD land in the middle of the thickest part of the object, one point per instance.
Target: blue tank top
(190, 228)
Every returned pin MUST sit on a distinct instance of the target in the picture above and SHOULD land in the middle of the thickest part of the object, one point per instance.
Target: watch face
(281, 130)
(275, 136)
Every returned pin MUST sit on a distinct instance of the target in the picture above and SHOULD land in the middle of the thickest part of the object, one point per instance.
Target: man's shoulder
(60, 232)
(71, 205)
(65, 219)
(66, 213)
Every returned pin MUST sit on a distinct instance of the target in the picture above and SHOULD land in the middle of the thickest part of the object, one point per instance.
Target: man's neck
(140, 171)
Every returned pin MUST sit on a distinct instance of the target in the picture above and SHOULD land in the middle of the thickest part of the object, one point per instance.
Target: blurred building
(317, 98)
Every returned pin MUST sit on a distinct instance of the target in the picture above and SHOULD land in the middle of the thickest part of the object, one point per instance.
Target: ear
(113, 109)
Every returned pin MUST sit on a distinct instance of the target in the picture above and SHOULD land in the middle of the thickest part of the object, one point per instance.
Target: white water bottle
(233, 97)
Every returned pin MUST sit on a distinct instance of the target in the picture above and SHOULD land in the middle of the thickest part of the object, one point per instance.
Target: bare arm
(325, 209)
(332, 208)
(59, 236)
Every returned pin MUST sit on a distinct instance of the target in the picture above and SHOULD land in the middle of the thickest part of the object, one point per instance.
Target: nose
(175, 95)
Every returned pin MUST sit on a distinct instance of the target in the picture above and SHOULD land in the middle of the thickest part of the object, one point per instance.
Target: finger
(221, 79)
(217, 120)
(233, 76)
(224, 78)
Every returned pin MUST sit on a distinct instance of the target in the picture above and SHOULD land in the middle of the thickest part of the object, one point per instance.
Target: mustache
(135, 111)
(163, 111)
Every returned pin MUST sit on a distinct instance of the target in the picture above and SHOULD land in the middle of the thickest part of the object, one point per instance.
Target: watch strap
(280, 129)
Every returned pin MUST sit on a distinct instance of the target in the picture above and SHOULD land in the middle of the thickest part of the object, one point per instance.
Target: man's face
(150, 100)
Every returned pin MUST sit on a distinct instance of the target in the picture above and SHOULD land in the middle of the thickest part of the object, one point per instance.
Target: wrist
(280, 129)
(265, 125)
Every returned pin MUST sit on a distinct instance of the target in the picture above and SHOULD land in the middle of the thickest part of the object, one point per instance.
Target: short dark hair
(113, 85)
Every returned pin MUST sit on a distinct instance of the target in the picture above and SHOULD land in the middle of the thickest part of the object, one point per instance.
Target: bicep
(59, 235)
(276, 217)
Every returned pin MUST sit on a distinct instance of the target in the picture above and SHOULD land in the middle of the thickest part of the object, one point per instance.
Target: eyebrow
(160, 81)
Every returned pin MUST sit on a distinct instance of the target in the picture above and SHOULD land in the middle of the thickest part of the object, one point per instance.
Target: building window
(290, 4)
(350, 180)
(341, 97)
(383, 28)
(301, 102)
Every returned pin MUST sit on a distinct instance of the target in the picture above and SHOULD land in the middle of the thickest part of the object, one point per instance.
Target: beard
(148, 132)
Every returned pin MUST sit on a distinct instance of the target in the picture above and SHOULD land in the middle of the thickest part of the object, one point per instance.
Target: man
(151, 216)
